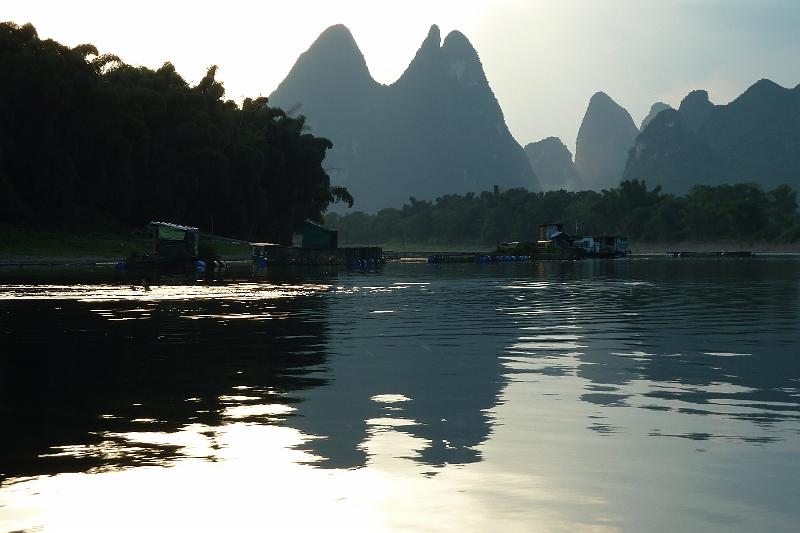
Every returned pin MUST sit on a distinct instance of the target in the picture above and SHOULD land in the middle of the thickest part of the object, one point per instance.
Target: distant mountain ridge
(655, 109)
(552, 162)
(437, 130)
(755, 138)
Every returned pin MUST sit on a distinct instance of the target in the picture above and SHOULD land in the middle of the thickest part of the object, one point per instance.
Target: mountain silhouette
(755, 138)
(655, 109)
(606, 135)
(437, 130)
(695, 108)
(552, 162)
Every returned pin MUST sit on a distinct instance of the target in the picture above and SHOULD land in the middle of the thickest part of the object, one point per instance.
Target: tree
(88, 140)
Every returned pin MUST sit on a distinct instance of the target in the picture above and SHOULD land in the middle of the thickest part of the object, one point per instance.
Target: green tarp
(170, 234)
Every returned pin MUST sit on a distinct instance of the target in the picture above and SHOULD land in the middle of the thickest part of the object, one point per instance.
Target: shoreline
(94, 261)
(762, 248)
(91, 261)
(25, 247)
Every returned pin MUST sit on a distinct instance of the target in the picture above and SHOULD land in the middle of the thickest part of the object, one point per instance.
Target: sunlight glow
(543, 58)
(123, 292)
(255, 45)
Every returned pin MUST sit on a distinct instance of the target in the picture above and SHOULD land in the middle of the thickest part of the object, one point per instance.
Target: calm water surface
(632, 395)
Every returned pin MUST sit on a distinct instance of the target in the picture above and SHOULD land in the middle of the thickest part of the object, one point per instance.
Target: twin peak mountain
(437, 130)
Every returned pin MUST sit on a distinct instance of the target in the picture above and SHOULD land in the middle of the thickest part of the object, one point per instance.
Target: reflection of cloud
(390, 398)
(259, 479)
(182, 293)
(249, 411)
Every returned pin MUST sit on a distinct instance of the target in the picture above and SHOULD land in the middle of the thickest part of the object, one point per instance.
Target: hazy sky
(543, 58)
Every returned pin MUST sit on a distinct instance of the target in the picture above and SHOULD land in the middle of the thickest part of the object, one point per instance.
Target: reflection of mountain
(737, 326)
(713, 339)
(704, 337)
(107, 371)
(75, 373)
(438, 348)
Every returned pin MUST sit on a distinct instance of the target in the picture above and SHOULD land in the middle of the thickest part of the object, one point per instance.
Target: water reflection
(602, 396)
(92, 366)
(702, 338)
(435, 350)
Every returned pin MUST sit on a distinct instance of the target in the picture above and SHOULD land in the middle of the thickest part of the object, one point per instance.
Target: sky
(543, 58)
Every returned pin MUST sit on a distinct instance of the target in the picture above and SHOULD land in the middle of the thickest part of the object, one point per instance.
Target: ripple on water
(593, 396)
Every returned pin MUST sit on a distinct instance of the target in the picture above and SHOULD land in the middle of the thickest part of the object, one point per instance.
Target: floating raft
(477, 258)
(353, 257)
(739, 253)
(554, 255)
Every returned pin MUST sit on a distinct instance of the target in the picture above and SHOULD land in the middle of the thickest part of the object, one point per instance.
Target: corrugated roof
(173, 226)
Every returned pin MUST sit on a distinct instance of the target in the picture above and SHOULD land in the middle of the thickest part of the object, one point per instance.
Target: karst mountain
(437, 130)
(552, 162)
(606, 134)
(755, 138)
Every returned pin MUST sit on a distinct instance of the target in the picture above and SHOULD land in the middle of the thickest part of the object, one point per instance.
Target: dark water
(635, 395)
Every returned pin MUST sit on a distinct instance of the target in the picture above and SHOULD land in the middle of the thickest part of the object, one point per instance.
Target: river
(646, 394)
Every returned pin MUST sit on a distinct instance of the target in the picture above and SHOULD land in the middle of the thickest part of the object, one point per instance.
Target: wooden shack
(552, 236)
(547, 232)
(173, 241)
(603, 245)
(313, 236)
(612, 245)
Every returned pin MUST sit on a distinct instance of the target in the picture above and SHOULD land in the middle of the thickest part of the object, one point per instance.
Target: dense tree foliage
(87, 140)
(742, 212)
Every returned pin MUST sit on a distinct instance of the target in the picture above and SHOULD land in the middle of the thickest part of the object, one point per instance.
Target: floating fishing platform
(723, 253)
(265, 254)
(482, 257)
(175, 248)
(314, 244)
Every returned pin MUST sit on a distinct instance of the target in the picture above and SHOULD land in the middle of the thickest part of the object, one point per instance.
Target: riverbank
(649, 248)
(412, 249)
(21, 247)
(21, 244)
